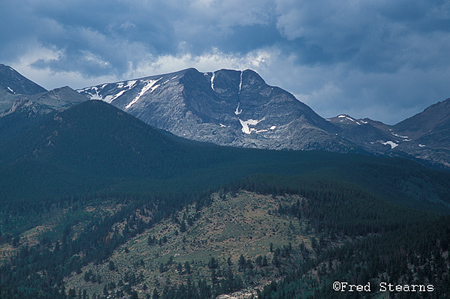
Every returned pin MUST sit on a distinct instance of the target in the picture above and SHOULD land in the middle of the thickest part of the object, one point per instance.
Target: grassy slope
(230, 227)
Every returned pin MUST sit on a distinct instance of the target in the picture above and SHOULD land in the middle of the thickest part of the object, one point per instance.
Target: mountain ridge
(225, 107)
(424, 136)
(237, 108)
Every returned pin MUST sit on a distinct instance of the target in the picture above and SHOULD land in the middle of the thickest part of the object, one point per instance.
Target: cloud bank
(382, 59)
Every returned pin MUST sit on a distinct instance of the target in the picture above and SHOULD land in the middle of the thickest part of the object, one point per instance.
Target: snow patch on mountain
(212, 80)
(94, 92)
(399, 136)
(245, 125)
(251, 122)
(344, 118)
(391, 143)
(240, 83)
(111, 98)
(237, 111)
(95, 96)
(130, 84)
(150, 85)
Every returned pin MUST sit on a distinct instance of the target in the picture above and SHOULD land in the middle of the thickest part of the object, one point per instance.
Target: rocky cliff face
(226, 107)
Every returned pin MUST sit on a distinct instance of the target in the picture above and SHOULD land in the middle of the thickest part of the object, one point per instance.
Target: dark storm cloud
(245, 39)
(388, 59)
(378, 36)
(108, 36)
(97, 37)
(345, 56)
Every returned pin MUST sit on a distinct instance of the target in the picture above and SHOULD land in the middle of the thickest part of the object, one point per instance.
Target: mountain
(435, 118)
(428, 134)
(87, 147)
(225, 107)
(13, 84)
(30, 110)
(425, 136)
(235, 108)
(25, 99)
(24, 104)
(42, 103)
(373, 136)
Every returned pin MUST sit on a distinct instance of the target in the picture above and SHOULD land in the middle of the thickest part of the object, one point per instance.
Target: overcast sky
(382, 59)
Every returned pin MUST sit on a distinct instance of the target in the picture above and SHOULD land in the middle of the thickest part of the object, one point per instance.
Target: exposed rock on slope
(226, 107)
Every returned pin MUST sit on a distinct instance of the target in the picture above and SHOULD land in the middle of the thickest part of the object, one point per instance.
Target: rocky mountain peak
(226, 107)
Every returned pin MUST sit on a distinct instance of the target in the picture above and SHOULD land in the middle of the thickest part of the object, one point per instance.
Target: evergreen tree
(187, 267)
(155, 294)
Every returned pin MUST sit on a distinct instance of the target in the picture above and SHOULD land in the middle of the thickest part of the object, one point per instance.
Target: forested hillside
(97, 204)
